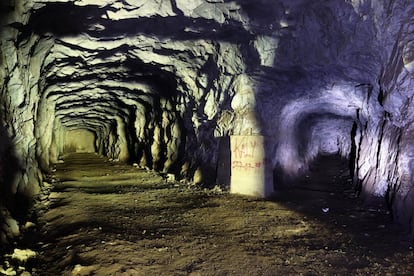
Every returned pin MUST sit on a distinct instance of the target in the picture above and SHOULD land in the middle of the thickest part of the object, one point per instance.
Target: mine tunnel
(277, 133)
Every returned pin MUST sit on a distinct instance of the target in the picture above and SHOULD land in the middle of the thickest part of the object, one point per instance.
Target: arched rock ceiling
(156, 80)
(116, 55)
(94, 63)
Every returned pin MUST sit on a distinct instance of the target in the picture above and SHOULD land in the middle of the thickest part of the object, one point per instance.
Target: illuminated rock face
(157, 82)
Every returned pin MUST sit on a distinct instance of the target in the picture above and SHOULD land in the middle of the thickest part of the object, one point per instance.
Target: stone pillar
(251, 174)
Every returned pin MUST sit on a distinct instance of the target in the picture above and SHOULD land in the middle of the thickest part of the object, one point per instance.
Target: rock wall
(387, 142)
(158, 82)
(20, 178)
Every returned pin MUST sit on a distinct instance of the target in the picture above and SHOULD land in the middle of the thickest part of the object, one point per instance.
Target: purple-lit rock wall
(157, 82)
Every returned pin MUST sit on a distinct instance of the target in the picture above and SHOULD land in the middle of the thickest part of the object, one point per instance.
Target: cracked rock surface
(157, 82)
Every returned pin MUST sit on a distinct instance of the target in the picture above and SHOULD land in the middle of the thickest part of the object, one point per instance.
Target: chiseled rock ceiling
(156, 81)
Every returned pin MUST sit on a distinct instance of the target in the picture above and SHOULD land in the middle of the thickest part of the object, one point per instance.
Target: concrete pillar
(251, 174)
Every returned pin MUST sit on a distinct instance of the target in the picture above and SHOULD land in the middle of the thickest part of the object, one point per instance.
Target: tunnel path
(106, 218)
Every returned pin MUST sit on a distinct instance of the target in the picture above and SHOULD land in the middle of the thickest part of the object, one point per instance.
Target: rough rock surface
(107, 218)
(156, 82)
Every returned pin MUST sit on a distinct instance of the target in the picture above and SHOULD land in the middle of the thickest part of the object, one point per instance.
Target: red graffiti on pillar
(246, 165)
(243, 148)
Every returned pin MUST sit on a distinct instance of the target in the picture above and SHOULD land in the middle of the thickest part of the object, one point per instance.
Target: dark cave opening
(327, 173)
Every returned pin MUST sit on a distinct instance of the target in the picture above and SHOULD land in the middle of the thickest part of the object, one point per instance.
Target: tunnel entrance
(328, 173)
(79, 140)
(326, 187)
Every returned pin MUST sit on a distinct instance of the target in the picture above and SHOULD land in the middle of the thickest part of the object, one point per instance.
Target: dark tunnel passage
(113, 116)
(328, 173)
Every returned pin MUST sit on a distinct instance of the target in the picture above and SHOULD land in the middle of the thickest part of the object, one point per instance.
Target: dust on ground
(107, 218)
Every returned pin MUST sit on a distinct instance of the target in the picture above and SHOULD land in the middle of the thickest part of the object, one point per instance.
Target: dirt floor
(106, 218)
